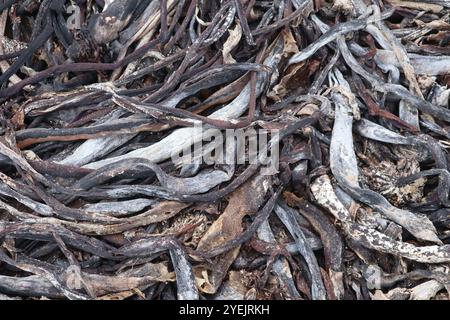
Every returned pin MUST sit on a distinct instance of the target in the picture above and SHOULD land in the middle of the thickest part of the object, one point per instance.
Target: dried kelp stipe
(225, 149)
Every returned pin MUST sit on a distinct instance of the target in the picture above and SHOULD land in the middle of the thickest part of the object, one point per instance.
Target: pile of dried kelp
(98, 95)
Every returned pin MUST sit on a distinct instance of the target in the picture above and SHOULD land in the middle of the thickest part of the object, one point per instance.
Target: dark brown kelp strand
(225, 149)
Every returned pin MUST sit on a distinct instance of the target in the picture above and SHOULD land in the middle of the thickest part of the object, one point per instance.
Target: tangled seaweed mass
(100, 98)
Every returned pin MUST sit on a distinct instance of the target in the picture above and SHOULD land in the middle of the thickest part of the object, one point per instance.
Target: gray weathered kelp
(225, 149)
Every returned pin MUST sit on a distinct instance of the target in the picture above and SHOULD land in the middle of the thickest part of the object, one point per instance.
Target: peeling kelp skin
(349, 104)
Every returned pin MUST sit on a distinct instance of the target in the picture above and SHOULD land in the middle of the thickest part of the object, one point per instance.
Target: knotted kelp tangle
(225, 149)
